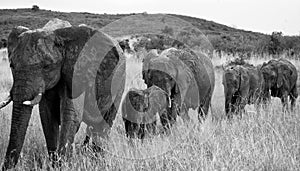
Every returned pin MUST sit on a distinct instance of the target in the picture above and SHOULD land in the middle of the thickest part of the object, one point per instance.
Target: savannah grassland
(262, 140)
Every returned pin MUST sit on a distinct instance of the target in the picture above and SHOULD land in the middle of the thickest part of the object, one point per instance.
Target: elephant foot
(68, 131)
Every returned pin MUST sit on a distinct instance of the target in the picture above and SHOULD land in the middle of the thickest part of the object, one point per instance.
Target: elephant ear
(13, 38)
(146, 62)
(281, 78)
(188, 86)
(185, 79)
(48, 50)
(99, 70)
(244, 79)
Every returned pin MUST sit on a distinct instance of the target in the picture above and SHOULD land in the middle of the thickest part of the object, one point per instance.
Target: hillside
(222, 37)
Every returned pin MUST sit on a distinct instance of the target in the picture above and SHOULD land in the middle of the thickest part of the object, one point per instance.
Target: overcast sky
(256, 15)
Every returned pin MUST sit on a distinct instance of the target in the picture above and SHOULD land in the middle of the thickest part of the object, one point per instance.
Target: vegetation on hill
(222, 37)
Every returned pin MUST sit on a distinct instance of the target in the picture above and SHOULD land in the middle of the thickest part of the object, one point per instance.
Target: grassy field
(262, 140)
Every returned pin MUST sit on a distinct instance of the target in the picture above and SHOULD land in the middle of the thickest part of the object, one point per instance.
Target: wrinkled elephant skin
(187, 78)
(280, 77)
(242, 85)
(139, 110)
(43, 64)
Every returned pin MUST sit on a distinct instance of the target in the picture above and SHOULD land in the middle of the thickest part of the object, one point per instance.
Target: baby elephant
(139, 110)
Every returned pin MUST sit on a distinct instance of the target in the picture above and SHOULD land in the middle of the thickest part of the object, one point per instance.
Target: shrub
(35, 8)
(168, 30)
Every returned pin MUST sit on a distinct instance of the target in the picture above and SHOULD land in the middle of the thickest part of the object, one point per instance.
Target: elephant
(243, 85)
(139, 110)
(280, 77)
(187, 78)
(53, 66)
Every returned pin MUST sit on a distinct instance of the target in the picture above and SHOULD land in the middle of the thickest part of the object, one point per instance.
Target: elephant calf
(139, 110)
(280, 77)
(242, 85)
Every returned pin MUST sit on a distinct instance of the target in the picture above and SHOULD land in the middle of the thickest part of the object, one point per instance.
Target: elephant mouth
(36, 100)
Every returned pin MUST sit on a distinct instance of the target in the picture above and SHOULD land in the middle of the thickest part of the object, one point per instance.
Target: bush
(168, 31)
(35, 8)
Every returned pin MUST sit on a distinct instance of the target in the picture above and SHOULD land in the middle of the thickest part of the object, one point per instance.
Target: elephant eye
(11, 66)
(235, 83)
(46, 67)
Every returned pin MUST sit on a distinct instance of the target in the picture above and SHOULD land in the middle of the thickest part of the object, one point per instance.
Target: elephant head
(236, 87)
(270, 75)
(51, 67)
(280, 78)
(139, 110)
(274, 77)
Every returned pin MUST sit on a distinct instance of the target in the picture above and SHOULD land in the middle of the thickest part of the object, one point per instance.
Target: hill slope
(222, 37)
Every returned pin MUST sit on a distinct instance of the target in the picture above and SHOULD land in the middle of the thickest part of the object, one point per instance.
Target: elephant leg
(265, 98)
(243, 101)
(203, 109)
(131, 128)
(70, 122)
(150, 128)
(49, 108)
(86, 140)
(141, 132)
(185, 115)
(168, 118)
(293, 96)
(284, 101)
(94, 147)
(228, 107)
(234, 105)
(100, 129)
(202, 113)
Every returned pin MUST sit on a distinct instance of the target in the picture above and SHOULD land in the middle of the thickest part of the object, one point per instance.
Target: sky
(263, 16)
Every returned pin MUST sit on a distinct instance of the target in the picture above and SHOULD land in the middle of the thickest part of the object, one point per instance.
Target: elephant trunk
(20, 119)
(229, 101)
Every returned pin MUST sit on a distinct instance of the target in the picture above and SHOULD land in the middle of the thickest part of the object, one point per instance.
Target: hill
(222, 37)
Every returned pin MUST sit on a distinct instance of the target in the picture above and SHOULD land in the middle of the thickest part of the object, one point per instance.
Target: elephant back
(202, 71)
(98, 66)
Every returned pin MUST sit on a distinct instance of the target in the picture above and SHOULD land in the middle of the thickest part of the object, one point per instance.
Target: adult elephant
(187, 78)
(280, 77)
(53, 66)
(139, 110)
(243, 85)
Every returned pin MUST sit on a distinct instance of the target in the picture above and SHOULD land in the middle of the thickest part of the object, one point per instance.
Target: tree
(35, 8)
(275, 44)
(168, 31)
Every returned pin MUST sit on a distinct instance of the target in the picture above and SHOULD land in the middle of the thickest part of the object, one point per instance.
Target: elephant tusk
(5, 102)
(35, 101)
(170, 102)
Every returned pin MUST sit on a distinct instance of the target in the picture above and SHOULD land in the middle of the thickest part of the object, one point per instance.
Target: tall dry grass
(262, 140)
